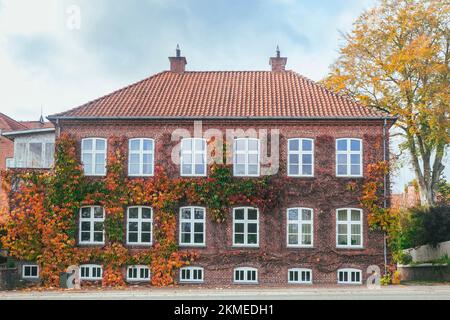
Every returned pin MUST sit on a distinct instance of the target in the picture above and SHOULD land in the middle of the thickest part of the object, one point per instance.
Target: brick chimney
(278, 63)
(178, 63)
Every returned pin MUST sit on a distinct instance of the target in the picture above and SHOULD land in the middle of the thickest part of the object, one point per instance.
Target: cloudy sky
(47, 61)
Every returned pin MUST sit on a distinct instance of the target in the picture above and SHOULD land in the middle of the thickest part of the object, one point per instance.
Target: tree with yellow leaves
(396, 59)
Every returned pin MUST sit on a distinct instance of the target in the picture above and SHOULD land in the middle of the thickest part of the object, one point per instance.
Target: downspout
(385, 191)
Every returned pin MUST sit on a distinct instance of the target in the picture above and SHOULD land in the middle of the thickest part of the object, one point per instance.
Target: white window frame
(94, 153)
(191, 271)
(141, 154)
(47, 158)
(193, 152)
(192, 221)
(300, 273)
(348, 153)
(92, 221)
(349, 223)
(349, 272)
(247, 153)
(138, 278)
(139, 221)
(300, 222)
(30, 266)
(246, 280)
(300, 154)
(91, 267)
(245, 221)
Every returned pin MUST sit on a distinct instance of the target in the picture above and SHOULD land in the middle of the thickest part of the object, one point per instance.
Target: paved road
(385, 293)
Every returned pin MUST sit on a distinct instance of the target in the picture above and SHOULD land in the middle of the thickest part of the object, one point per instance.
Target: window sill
(299, 247)
(192, 246)
(244, 247)
(350, 248)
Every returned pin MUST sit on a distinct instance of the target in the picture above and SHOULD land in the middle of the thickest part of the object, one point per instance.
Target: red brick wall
(273, 258)
(6, 151)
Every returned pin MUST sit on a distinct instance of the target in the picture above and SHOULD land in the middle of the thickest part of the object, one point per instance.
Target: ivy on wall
(45, 206)
(42, 223)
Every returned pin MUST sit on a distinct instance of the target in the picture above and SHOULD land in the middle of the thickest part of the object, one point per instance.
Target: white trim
(300, 222)
(193, 152)
(190, 272)
(92, 221)
(246, 152)
(245, 271)
(349, 223)
(90, 268)
(299, 275)
(192, 221)
(26, 132)
(141, 154)
(139, 269)
(300, 154)
(139, 221)
(348, 153)
(348, 272)
(245, 221)
(94, 152)
(31, 266)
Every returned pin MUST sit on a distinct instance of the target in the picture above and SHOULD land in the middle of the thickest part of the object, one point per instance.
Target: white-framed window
(33, 154)
(141, 156)
(349, 157)
(349, 228)
(300, 276)
(191, 274)
(246, 227)
(349, 276)
(93, 156)
(138, 273)
(192, 226)
(300, 227)
(91, 272)
(246, 275)
(30, 271)
(246, 157)
(140, 226)
(300, 157)
(193, 157)
(92, 229)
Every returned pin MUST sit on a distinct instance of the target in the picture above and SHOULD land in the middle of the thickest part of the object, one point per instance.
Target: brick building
(320, 234)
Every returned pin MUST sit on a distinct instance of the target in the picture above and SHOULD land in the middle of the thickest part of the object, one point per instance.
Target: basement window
(191, 274)
(138, 273)
(300, 276)
(349, 276)
(91, 272)
(30, 272)
(246, 275)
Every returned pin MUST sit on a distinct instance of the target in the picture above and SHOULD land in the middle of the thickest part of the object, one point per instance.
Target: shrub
(421, 226)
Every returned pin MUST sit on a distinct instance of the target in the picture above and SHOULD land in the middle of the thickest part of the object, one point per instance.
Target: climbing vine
(45, 206)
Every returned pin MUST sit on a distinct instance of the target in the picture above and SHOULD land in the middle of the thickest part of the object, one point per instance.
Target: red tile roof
(253, 94)
(37, 125)
(9, 124)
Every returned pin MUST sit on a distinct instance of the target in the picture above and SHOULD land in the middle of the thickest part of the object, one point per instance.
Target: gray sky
(43, 63)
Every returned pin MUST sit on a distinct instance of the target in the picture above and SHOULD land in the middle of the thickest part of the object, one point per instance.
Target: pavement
(418, 292)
